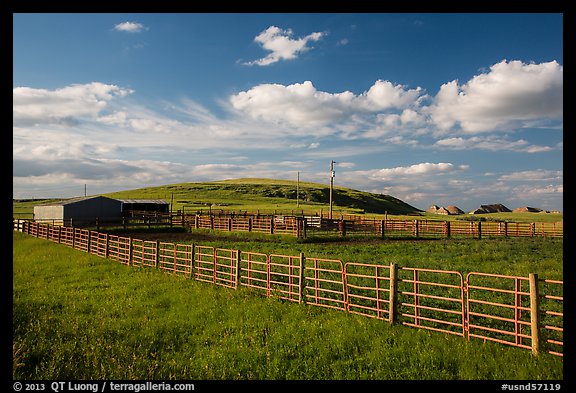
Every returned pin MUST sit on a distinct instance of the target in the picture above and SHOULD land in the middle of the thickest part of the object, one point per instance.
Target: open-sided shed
(145, 206)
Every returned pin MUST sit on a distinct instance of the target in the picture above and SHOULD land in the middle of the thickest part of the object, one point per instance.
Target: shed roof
(73, 200)
(149, 201)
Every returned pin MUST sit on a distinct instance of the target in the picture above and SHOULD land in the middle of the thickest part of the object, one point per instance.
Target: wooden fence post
(73, 237)
(238, 270)
(192, 257)
(382, 228)
(130, 252)
(534, 313)
(59, 234)
(107, 247)
(157, 256)
(272, 226)
(448, 230)
(393, 311)
(479, 229)
(302, 284)
(505, 228)
(416, 229)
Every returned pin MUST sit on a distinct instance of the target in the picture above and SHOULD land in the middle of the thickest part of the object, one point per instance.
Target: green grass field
(78, 316)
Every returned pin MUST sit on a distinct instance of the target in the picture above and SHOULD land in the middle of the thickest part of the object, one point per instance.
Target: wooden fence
(524, 312)
(305, 226)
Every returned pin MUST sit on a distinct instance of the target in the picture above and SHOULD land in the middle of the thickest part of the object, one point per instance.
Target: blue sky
(445, 109)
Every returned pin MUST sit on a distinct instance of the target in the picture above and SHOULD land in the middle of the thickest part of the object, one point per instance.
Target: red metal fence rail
(325, 283)
(175, 258)
(524, 312)
(144, 253)
(368, 290)
(119, 249)
(552, 321)
(498, 309)
(284, 277)
(434, 299)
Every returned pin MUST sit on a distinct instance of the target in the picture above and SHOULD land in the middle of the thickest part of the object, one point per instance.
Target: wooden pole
(534, 313)
(302, 285)
(192, 260)
(393, 311)
(157, 256)
(238, 270)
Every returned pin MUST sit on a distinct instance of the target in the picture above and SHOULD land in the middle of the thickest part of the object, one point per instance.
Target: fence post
(532, 229)
(130, 252)
(59, 234)
(416, 229)
(229, 225)
(107, 248)
(250, 224)
(448, 230)
(302, 286)
(382, 228)
(238, 260)
(505, 228)
(73, 237)
(157, 256)
(393, 307)
(272, 226)
(534, 313)
(479, 229)
(192, 257)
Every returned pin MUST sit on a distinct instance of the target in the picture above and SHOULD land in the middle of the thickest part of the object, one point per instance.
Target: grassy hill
(266, 195)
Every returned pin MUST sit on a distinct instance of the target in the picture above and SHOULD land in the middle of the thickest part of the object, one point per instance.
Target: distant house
(79, 210)
(453, 210)
(449, 210)
(494, 208)
(527, 209)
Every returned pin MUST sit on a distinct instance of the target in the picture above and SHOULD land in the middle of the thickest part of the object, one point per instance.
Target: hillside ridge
(246, 193)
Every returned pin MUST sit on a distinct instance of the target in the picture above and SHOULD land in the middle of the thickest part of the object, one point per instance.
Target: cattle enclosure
(525, 312)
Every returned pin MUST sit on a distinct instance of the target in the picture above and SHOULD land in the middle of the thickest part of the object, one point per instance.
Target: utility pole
(332, 162)
(84, 190)
(298, 189)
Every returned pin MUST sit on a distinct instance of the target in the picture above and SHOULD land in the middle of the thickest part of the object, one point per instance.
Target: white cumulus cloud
(425, 168)
(511, 95)
(302, 105)
(62, 106)
(281, 45)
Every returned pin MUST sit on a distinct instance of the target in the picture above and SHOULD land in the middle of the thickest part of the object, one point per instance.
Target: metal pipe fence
(524, 312)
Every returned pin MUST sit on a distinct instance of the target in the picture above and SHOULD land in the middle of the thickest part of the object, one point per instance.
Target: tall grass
(78, 316)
